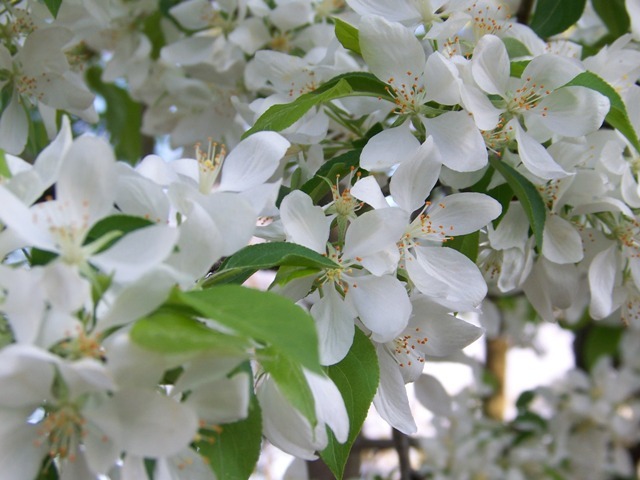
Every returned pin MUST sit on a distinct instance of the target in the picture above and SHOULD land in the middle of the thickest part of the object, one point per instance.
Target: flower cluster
(393, 164)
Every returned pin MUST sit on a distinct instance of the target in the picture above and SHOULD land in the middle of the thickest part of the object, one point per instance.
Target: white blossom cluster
(463, 155)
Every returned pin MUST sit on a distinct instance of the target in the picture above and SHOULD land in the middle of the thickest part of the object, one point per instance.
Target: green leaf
(528, 195)
(551, 17)
(617, 117)
(317, 187)
(244, 263)
(173, 333)
(601, 340)
(123, 117)
(53, 6)
(4, 168)
(279, 117)
(515, 48)
(347, 35)
(466, 244)
(233, 451)
(291, 382)
(152, 28)
(116, 223)
(357, 377)
(614, 15)
(262, 316)
(518, 67)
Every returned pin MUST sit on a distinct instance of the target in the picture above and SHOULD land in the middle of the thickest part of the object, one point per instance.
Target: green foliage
(617, 117)
(357, 377)
(53, 6)
(614, 15)
(601, 340)
(244, 263)
(291, 382)
(466, 244)
(262, 316)
(551, 17)
(518, 67)
(4, 168)
(347, 35)
(317, 187)
(528, 195)
(515, 48)
(279, 117)
(116, 223)
(123, 117)
(174, 333)
(234, 449)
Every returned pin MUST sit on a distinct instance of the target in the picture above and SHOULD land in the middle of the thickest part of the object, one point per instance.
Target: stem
(401, 443)
(496, 364)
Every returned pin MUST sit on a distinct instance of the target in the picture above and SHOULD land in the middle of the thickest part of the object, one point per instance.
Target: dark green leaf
(53, 6)
(317, 187)
(347, 35)
(528, 195)
(48, 471)
(171, 333)
(525, 399)
(357, 377)
(601, 340)
(116, 223)
(466, 244)
(154, 32)
(123, 117)
(40, 257)
(291, 382)
(617, 117)
(263, 316)
(279, 117)
(614, 15)
(233, 451)
(551, 17)
(249, 260)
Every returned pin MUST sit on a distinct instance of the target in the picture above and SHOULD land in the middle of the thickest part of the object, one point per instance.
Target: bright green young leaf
(466, 244)
(347, 35)
(527, 194)
(4, 168)
(53, 6)
(244, 263)
(551, 17)
(601, 340)
(317, 187)
(614, 15)
(291, 382)
(515, 48)
(123, 117)
(233, 451)
(518, 67)
(262, 316)
(617, 117)
(279, 117)
(172, 333)
(357, 377)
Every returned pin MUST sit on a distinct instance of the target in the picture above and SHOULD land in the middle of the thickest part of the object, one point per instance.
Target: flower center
(209, 164)
(407, 348)
(62, 429)
(527, 97)
(408, 92)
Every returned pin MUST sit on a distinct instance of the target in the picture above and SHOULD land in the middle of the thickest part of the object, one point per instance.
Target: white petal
(330, 407)
(368, 190)
(222, 401)
(535, 157)
(446, 334)
(602, 275)
(561, 241)
(431, 394)
(388, 148)
(304, 223)
(15, 215)
(334, 321)
(382, 304)
(391, 399)
(26, 373)
(233, 215)
(374, 231)
(14, 127)
(413, 180)
(20, 458)
(391, 50)
(463, 213)
(137, 253)
(253, 161)
(459, 141)
(490, 65)
(442, 80)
